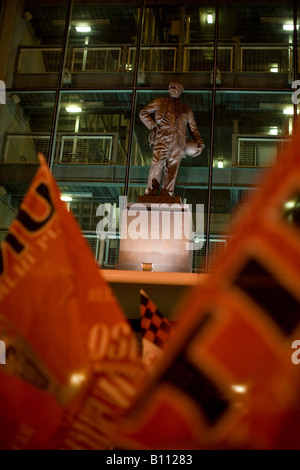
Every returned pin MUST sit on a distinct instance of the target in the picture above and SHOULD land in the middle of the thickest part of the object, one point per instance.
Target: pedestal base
(155, 236)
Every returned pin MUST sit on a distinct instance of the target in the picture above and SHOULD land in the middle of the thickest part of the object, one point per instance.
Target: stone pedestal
(155, 235)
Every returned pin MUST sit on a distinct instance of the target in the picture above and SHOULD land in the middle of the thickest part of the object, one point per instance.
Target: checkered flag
(156, 331)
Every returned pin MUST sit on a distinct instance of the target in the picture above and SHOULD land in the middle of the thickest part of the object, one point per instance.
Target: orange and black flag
(156, 329)
(72, 363)
(227, 379)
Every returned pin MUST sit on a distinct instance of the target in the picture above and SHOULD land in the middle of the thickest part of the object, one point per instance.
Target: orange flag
(71, 359)
(229, 378)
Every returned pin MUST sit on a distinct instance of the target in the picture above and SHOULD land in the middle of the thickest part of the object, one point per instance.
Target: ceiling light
(74, 109)
(209, 18)
(289, 204)
(239, 388)
(273, 130)
(66, 198)
(289, 27)
(83, 29)
(274, 68)
(289, 110)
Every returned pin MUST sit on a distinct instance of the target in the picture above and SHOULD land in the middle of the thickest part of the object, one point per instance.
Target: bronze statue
(168, 120)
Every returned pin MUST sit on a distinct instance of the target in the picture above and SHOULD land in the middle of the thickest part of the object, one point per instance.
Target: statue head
(175, 89)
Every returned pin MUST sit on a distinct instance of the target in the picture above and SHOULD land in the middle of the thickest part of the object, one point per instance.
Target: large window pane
(36, 44)
(102, 39)
(177, 39)
(90, 160)
(192, 180)
(25, 125)
(251, 129)
(255, 45)
(193, 172)
(93, 129)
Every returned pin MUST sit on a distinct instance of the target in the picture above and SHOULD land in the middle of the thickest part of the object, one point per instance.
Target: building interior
(78, 72)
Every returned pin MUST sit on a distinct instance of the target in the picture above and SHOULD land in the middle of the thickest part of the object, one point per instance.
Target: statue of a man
(168, 120)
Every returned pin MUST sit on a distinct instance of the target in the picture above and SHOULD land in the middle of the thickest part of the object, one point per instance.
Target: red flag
(227, 380)
(72, 362)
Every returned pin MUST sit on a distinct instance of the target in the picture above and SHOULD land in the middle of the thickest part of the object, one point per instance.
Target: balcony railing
(96, 59)
(38, 60)
(24, 148)
(201, 59)
(258, 58)
(254, 151)
(266, 59)
(71, 149)
(154, 59)
(87, 149)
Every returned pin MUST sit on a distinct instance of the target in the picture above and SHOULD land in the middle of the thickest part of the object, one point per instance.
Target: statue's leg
(171, 170)
(155, 172)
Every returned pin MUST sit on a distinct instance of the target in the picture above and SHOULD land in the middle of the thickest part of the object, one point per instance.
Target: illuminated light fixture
(289, 27)
(66, 198)
(274, 68)
(239, 388)
(289, 204)
(273, 130)
(210, 18)
(77, 378)
(220, 162)
(74, 109)
(83, 29)
(289, 110)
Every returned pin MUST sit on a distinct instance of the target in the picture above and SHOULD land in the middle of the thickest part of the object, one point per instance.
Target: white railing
(87, 149)
(258, 151)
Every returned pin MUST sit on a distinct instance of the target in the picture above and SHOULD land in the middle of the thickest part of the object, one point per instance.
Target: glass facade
(78, 72)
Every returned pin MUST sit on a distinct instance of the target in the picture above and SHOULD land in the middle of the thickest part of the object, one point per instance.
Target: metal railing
(87, 149)
(154, 59)
(201, 59)
(258, 151)
(262, 59)
(96, 59)
(24, 148)
(73, 148)
(258, 58)
(39, 59)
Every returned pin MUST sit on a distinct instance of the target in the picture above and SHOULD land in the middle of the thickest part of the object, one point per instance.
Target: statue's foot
(151, 192)
(165, 192)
